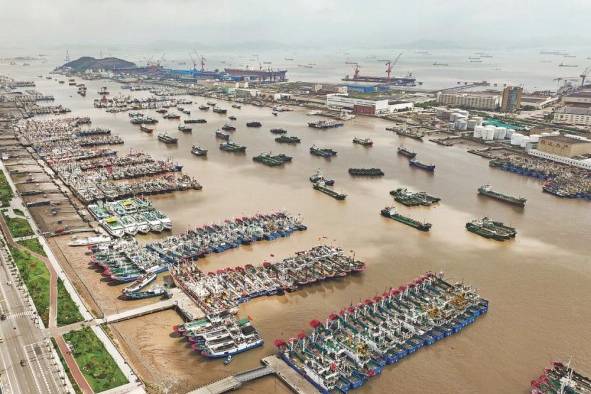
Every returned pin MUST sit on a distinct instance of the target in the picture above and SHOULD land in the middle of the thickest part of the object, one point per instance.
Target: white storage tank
(489, 133)
(534, 138)
(500, 133)
(509, 133)
(471, 124)
(478, 120)
(524, 141)
(516, 139)
(478, 131)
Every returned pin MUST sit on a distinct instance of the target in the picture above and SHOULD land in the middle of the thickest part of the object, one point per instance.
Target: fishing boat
(406, 152)
(89, 241)
(164, 137)
(319, 178)
(219, 110)
(184, 128)
(198, 150)
(410, 199)
(325, 124)
(278, 131)
(427, 167)
(284, 139)
(140, 283)
(140, 295)
(211, 103)
(188, 121)
(390, 212)
(237, 106)
(228, 127)
(231, 117)
(145, 129)
(232, 147)
(322, 152)
(161, 111)
(254, 124)
(172, 116)
(489, 228)
(363, 141)
(204, 108)
(222, 136)
(113, 226)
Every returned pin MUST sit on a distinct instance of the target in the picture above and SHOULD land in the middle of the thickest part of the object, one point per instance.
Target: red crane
(391, 64)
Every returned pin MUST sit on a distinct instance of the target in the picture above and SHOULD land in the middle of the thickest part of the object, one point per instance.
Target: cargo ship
(406, 152)
(354, 344)
(491, 229)
(328, 191)
(325, 124)
(486, 190)
(389, 79)
(427, 167)
(390, 212)
(167, 139)
(363, 141)
(561, 379)
(372, 172)
(410, 199)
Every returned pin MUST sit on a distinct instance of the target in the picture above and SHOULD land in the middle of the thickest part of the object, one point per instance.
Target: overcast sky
(340, 23)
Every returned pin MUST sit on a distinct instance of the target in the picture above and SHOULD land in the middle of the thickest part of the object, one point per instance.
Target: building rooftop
(582, 93)
(565, 139)
(575, 110)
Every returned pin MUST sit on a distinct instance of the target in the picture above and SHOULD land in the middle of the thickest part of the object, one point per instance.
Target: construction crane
(584, 75)
(391, 64)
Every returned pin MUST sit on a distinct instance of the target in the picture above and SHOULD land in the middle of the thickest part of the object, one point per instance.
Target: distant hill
(90, 63)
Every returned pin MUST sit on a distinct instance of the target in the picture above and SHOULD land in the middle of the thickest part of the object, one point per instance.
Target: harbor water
(537, 284)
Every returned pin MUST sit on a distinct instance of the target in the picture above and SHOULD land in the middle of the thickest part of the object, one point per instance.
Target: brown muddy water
(537, 285)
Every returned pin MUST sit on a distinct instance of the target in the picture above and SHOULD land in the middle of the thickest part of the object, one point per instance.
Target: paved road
(23, 339)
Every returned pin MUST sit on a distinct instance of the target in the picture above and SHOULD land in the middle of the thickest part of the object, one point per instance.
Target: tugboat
(373, 172)
(405, 152)
(319, 178)
(145, 129)
(219, 110)
(222, 135)
(278, 131)
(363, 142)
(254, 124)
(328, 191)
(422, 166)
(322, 152)
(198, 151)
(195, 120)
(204, 108)
(284, 139)
(390, 212)
(184, 128)
(489, 228)
(162, 111)
(232, 117)
(228, 127)
(167, 139)
(486, 190)
(232, 147)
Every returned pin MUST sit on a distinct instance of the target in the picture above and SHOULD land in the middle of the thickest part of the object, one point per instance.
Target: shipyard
(191, 218)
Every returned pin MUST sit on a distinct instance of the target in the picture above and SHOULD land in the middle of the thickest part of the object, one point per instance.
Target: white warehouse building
(366, 106)
(470, 100)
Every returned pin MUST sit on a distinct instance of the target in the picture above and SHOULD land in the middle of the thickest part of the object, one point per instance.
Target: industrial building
(573, 115)
(366, 106)
(581, 99)
(511, 99)
(565, 145)
(476, 100)
(538, 101)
